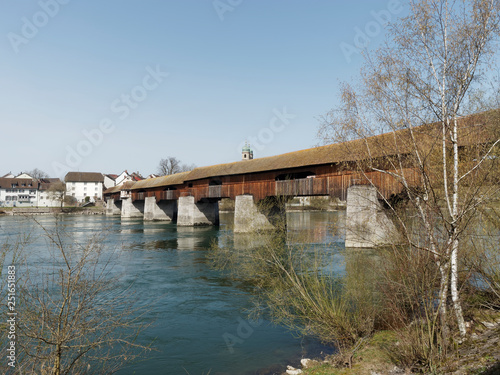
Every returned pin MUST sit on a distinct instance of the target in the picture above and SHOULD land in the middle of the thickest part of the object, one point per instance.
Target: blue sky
(119, 84)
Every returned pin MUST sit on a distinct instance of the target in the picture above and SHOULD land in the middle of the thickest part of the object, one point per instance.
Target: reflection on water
(194, 308)
(189, 238)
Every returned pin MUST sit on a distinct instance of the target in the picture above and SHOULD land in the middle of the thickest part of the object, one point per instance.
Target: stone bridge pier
(113, 207)
(132, 208)
(162, 210)
(191, 213)
(250, 217)
(367, 223)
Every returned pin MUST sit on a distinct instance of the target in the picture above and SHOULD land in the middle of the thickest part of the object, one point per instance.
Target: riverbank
(35, 211)
(478, 355)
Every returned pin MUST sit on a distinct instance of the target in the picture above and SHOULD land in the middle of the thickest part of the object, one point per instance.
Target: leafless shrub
(74, 319)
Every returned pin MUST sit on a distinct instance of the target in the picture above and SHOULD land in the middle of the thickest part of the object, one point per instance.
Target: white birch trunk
(457, 306)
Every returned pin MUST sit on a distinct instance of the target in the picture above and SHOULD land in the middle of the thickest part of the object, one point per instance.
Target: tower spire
(246, 152)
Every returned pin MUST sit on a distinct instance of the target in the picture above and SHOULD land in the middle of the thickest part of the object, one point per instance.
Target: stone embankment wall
(32, 211)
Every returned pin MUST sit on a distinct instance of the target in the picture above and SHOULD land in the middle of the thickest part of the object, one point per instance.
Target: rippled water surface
(193, 308)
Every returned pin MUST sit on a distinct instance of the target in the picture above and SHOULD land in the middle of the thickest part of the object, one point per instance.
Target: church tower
(246, 152)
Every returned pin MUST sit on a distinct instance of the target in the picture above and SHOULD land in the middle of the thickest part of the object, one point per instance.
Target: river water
(197, 314)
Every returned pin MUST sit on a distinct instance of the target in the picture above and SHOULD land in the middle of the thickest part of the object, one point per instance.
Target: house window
(85, 183)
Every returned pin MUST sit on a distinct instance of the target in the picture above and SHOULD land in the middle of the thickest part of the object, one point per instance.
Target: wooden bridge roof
(380, 146)
(173, 179)
(128, 185)
(313, 156)
(473, 131)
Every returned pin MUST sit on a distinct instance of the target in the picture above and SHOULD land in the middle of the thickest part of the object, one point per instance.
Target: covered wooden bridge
(192, 197)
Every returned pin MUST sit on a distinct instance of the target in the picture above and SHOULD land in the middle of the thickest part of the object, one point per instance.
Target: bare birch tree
(419, 89)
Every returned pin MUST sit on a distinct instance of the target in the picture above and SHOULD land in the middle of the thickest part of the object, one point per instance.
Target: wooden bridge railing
(138, 196)
(167, 195)
(210, 191)
(334, 185)
(215, 191)
(302, 186)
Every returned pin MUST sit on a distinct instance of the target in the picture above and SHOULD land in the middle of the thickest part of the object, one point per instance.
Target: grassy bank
(479, 355)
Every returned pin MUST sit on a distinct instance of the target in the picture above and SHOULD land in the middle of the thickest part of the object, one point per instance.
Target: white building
(127, 177)
(110, 180)
(50, 192)
(28, 192)
(18, 192)
(84, 184)
(23, 175)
